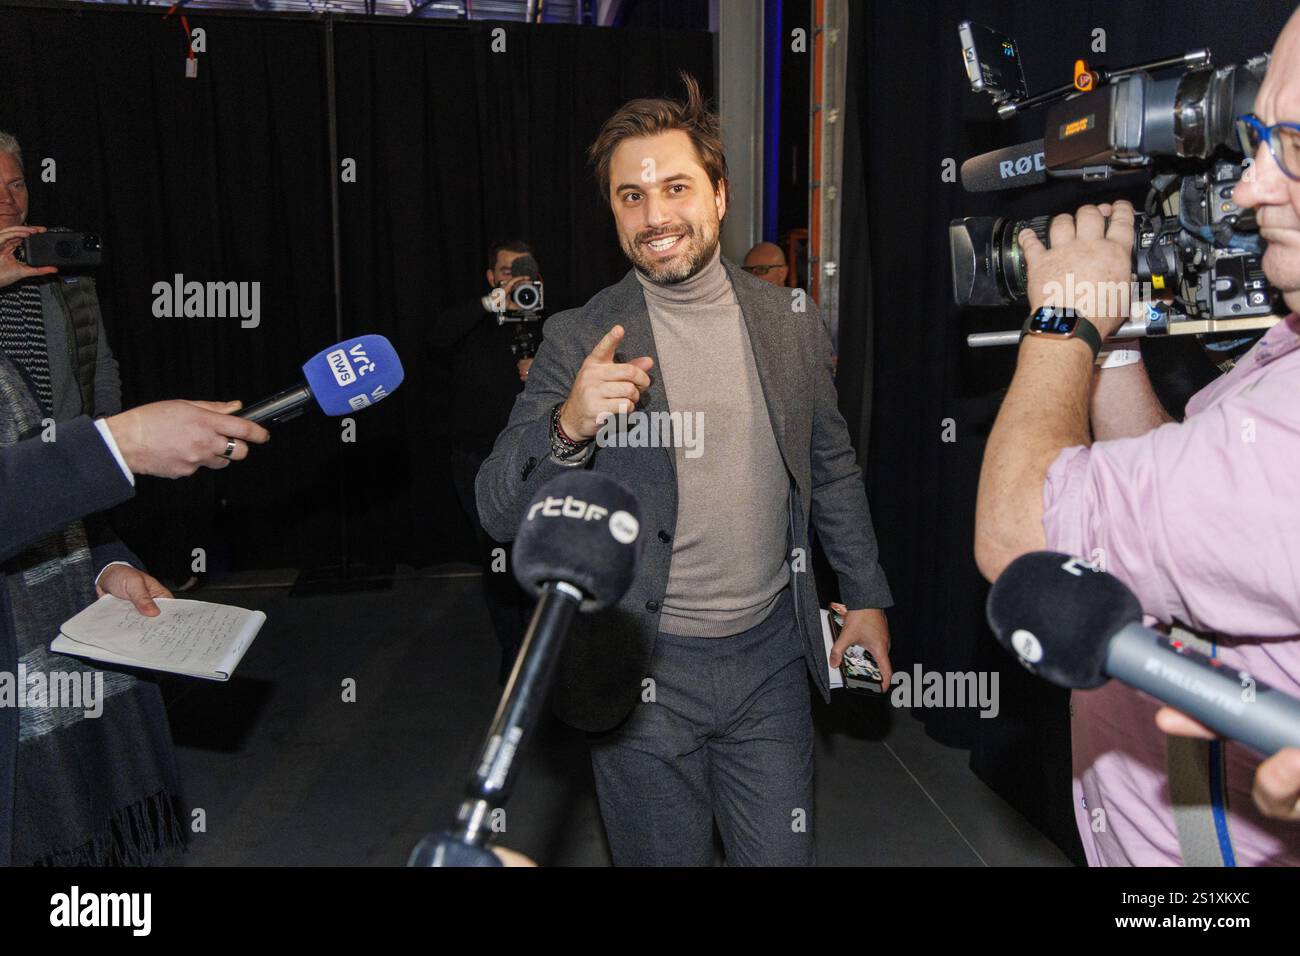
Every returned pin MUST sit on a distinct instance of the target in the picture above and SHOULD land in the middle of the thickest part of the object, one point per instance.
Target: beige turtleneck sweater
(728, 561)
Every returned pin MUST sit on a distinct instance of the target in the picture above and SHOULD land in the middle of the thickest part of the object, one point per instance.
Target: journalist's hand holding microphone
(173, 439)
(1277, 779)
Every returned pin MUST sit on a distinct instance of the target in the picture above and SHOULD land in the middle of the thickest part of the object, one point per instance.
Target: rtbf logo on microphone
(354, 374)
(622, 525)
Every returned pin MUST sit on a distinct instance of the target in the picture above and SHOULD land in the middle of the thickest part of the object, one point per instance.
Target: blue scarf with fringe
(95, 779)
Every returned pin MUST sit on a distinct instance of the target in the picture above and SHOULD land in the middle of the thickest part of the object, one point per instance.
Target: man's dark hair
(509, 245)
(649, 117)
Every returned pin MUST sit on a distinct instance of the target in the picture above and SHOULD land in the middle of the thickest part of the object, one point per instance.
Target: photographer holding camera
(1198, 517)
(488, 361)
(42, 312)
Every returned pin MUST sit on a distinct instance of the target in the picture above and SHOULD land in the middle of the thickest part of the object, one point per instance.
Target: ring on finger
(230, 448)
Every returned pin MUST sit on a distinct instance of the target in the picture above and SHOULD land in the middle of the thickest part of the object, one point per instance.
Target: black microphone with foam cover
(1077, 627)
(1006, 168)
(577, 548)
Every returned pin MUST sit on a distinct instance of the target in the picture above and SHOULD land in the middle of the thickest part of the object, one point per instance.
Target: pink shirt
(1202, 520)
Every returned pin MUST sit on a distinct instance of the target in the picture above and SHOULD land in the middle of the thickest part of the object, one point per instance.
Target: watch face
(1053, 322)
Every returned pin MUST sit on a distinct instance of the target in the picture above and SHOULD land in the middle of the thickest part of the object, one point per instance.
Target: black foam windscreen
(1057, 615)
(1006, 168)
(582, 528)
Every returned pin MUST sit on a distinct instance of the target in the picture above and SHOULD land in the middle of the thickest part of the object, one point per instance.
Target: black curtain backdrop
(456, 145)
(227, 177)
(222, 177)
(910, 109)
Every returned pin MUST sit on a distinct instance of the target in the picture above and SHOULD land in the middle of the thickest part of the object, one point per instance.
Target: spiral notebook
(195, 638)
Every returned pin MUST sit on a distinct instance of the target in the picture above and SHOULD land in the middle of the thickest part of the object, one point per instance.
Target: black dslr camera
(1196, 254)
(524, 307)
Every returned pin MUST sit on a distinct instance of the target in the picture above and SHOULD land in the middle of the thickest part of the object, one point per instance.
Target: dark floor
(288, 773)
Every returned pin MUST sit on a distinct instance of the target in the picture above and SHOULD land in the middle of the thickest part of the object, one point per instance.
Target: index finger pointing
(604, 350)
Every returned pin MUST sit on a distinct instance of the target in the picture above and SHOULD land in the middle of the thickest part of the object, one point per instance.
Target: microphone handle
(1228, 701)
(280, 407)
(516, 717)
(466, 842)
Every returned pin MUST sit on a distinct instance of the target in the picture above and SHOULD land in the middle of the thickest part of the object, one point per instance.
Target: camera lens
(988, 265)
(1011, 258)
(526, 297)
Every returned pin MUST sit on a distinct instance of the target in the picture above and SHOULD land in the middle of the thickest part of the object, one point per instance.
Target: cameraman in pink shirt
(1200, 518)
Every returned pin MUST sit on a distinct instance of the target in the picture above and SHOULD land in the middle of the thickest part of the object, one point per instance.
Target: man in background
(767, 262)
(485, 377)
(51, 324)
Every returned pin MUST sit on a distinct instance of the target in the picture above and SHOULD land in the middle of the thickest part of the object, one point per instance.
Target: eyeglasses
(760, 270)
(1283, 142)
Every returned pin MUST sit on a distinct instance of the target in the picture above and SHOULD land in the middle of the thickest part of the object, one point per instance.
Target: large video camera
(523, 306)
(1196, 254)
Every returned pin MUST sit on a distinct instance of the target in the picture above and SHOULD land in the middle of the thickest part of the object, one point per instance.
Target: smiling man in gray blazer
(694, 688)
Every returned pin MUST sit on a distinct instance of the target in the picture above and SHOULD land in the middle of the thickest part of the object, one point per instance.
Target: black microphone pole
(280, 407)
(497, 765)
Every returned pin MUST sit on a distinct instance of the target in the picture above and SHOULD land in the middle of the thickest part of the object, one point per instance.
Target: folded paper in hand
(195, 638)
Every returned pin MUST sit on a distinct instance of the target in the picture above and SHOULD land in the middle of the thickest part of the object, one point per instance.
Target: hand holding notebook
(195, 638)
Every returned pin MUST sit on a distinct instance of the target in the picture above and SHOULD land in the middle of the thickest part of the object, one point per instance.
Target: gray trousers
(727, 738)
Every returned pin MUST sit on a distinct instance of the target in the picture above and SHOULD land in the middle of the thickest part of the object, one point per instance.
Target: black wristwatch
(1053, 323)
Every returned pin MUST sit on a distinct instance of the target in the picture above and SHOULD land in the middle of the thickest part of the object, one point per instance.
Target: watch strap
(1083, 329)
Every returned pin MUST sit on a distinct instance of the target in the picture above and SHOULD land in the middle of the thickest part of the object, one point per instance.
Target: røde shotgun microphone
(347, 377)
(577, 549)
(1075, 627)
(1006, 168)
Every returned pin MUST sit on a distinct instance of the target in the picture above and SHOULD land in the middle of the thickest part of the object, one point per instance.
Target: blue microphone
(347, 377)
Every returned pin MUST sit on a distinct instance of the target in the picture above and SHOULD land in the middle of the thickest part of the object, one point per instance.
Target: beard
(694, 250)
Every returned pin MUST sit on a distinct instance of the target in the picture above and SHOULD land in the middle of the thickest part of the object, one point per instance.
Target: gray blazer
(607, 656)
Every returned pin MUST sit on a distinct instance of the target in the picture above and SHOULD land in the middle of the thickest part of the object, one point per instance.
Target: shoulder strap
(1198, 787)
